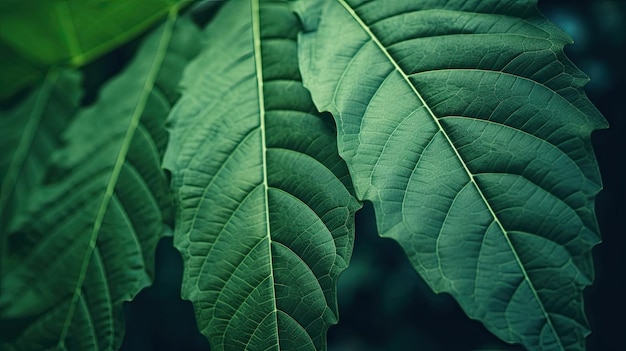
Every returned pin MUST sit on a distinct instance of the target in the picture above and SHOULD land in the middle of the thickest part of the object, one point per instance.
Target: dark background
(384, 305)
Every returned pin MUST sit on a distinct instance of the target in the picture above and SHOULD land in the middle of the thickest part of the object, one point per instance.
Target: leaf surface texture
(467, 127)
(30, 130)
(87, 244)
(264, 218)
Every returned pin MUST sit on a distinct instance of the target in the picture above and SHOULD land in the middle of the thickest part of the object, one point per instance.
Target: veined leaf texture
(466, 126)
(265, 218)
(30, 137)
(87, 243)
(461, 121)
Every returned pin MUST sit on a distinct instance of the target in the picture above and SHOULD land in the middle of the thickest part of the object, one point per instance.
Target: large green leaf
(88, 244)
(466, 126)
(35, 34)
(264, 222)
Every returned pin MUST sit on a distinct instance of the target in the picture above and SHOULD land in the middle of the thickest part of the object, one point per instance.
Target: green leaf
(30, 130)
(41, 33)
(49, 32)
(264, 220)
(88, 244)
(16, 73)
(466, 126)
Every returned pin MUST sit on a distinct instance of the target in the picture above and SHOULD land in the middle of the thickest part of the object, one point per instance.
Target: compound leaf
(467, 127)
(264, 220)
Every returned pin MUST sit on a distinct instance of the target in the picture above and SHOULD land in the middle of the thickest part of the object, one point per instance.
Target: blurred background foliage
(36, 34)
(383, 304)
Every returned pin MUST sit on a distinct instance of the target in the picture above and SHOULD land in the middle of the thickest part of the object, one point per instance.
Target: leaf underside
(88, 241)
(264, 219)
(467, 127)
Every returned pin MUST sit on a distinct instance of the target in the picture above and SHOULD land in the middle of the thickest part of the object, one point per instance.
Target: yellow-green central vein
(397, 67)
(69, 29)
(258, 61)
(119, 162)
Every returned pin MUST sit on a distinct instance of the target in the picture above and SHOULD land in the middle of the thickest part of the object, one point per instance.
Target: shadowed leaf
(88, 242)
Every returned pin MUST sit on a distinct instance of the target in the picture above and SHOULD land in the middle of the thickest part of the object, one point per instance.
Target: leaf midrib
(258, 62)
(397, 68)
(119, 163)
(62, 10)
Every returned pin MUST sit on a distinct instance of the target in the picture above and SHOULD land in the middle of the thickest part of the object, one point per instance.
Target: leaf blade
(30, 136)
(432, 102)
(263, 242)
(100, 212)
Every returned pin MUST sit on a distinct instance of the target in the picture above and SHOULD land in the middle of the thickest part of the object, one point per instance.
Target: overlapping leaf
(88, 244)
(39, 33)
(28, 138)
(265, 221)
(466, 126)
